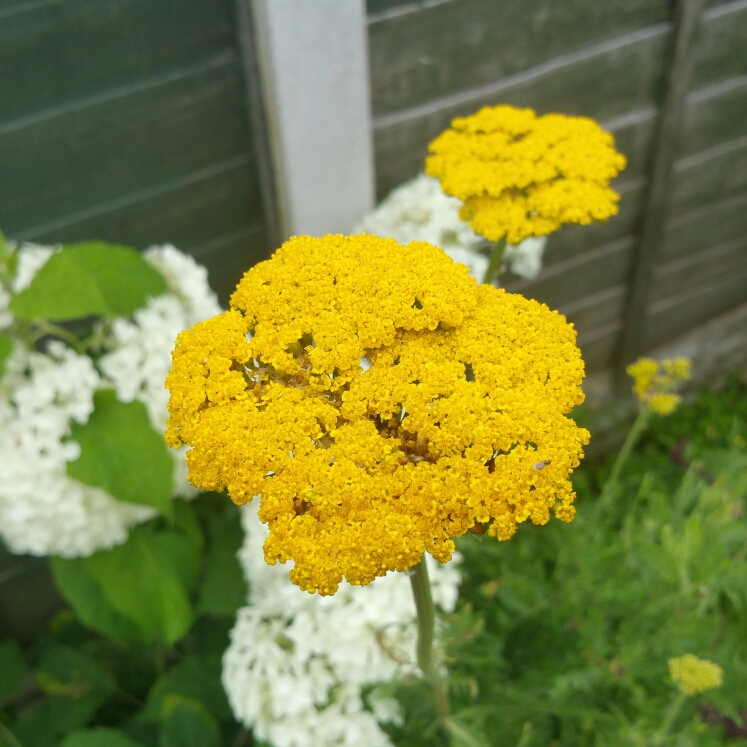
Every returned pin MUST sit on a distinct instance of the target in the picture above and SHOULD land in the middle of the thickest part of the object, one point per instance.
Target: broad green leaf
(186, 723)
(143, 580)
(195, 677)
(223, 588)
(89, 279)
(71, 673)
(6, 348)
(43, 726)
(121, 453)
(11, 668)
(99, 737)
(91, 605)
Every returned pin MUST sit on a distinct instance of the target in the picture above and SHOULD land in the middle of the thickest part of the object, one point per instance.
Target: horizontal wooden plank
(709, 176)
(228, 257)
(189, 214)
(564, 282)
(448, 47)
(714, 115)
(721, 50)
(600, 347)
(55, 53)
(673, 316)
(96, 154)
(711, 263)
(605, 84)
(596, 311)
(709, 225)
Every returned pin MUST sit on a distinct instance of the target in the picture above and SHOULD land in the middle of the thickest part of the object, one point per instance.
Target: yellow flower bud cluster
(653, 383)
(521, 175)
(694, 675)
(381, 403)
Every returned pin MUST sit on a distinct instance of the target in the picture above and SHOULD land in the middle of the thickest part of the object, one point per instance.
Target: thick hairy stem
(496, 257)
(421, 589)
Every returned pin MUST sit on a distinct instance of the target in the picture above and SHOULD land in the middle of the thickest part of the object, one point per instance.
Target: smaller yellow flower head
(694, 675)
(653, 383)
(521, 175)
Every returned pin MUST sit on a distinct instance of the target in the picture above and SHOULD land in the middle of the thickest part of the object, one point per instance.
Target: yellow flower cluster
(694, 675)
(381, 402)
(521, 175)
(653, 383)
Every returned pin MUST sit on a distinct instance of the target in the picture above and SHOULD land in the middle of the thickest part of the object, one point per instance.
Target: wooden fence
(127, 120)
(433, 60)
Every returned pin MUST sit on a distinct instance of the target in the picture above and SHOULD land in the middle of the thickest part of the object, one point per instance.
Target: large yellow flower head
(381, 402)
(693, 675)
(521, 175)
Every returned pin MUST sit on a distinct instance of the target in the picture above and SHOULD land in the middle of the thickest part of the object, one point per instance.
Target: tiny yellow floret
(521, 175)
(653, 383)
(694, 675)
(381, 403)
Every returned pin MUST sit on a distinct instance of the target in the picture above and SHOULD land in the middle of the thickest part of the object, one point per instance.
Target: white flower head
(419, 210)
(298, 662)
(43, 511)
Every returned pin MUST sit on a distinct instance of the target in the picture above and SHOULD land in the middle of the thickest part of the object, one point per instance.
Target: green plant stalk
(421, 590)
(669, 717)
(496, 257)
(639, 425)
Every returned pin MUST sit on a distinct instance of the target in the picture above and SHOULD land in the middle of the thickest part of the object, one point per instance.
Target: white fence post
(313, 59)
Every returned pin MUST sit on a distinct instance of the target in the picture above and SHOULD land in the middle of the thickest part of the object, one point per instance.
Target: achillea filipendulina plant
(458, 424)
(521, 175)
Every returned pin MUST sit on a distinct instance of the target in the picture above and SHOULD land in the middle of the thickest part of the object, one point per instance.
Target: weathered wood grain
(722, 46)
(706, 226)
(94, 154)
(449, 47)
(58, 52)
(604, 85)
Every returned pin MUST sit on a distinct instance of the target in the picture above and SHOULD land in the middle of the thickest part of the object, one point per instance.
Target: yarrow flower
(694, 675)
(43, 511)
(381, 402)
(521, 175)
(419, 210)
(298, 665)
(652, 383)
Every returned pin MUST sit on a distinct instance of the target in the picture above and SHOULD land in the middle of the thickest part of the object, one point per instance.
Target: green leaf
(186, 723)
(89, 279)
(195, 677)
(91, 605)
(6, 348)
(121, 453)
(223, 589)
(42, 726)
(144, 580)
(11, 668)
(71, 673)
(99, 737)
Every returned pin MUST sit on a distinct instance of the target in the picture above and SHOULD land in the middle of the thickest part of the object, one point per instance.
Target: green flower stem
(669, 717)
(43, 327)
(623, 455)
(421, 590)
(496, 257)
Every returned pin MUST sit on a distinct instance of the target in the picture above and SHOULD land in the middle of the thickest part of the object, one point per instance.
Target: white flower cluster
(298, 662)
(43, 511)
(419, 211)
